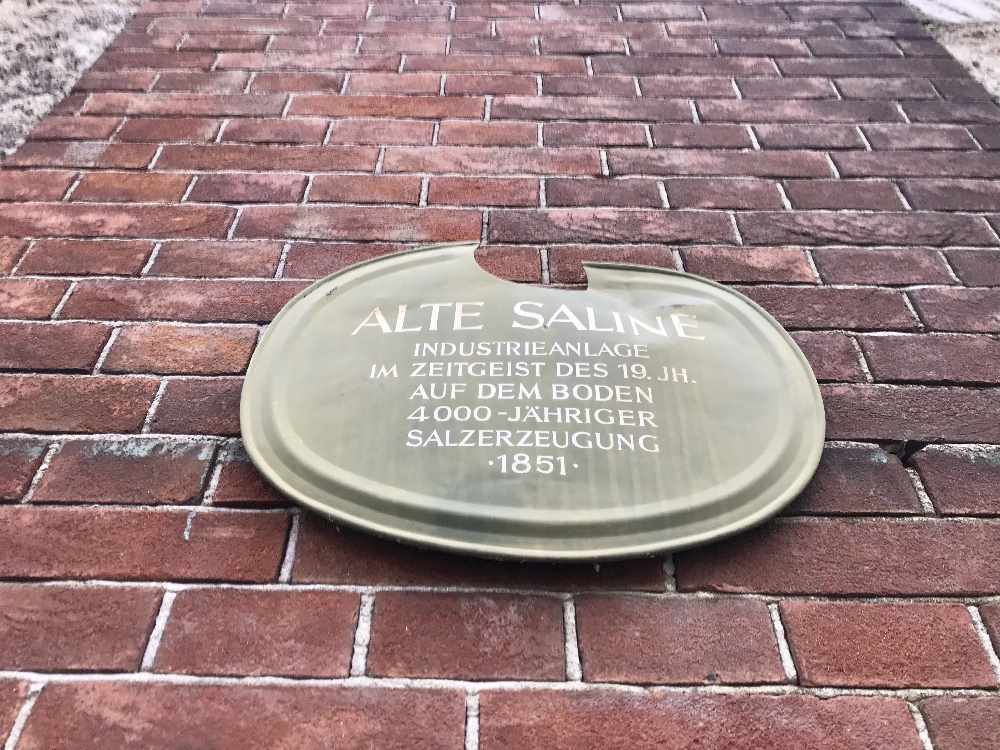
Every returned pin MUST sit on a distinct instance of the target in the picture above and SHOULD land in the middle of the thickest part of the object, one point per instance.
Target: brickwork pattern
(827, 158)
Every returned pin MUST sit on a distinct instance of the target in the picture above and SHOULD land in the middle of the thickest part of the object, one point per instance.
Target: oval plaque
(419, 397)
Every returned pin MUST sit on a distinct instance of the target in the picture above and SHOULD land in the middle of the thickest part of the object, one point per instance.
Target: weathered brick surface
(233, 632)
(828, 159)
(161, 716)
(640, 640)
(562, 720)
(467, 636)
(64, 628)
(844, 643)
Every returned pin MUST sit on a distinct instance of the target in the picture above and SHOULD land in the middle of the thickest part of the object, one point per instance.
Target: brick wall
(828, 158)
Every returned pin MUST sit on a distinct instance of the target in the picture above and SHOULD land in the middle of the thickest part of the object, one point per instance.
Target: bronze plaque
(419, 397)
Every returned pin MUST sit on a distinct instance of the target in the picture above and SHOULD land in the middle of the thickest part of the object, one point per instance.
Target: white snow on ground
(45, 45)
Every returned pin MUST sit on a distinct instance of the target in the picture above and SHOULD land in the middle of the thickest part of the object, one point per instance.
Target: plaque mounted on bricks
(421, 398)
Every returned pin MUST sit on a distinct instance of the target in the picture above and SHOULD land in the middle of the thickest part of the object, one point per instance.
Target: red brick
(566, 720)
(474, 191)
(855, 644)
(479, 85)
(587, 86)
(824, 307)
(883, 266)
(348, 223)
(125, 80)
(365, 189)
(189, 105)
(240, 484)
(857, 228)
(768, 47)
(13, 694)
(511, 262)
(565, 261)
(34, 185)
(309, 61)
(952, 112)
(498, 63)
(434, 107)
(381, 132)
(249, 188)
(315, 260)
(86, 257)
(962, 310)
(63, 403)
(948, 358)
(897, 137)
(593, 134)
(195, 301)
(714, 193)
(217, 259)
(722, 163)
(912, 413)
(862, 194)
(991, 618)
(265, 83)
(267, 157)
(873, 557)
(917, 164)
(609, 225)
(642, 640)
(140, 471)
(230, 42)
(831, 354)
(131, 187)
(681, 65)
(47, 346)
(462, 133)
(749, 264)
(393, 83)
(326, 554)
(200, 406)
(19, 460)
(10, 253)
(82, 154)
(132, 544)
(302, 130)
(141, 59)
(310, 718)
(976, 267)
(69, 220)
(467, 636)
(193, 350)
(341, 43)
(682, 86)
(589, 108)
(217, 82)
(858, 480)
(798, 111)
(808, 136)
(203, 25)
(831, 66)
(786, 88)
(63, 628)
(166, 129)
(410, 44)
(63, 128)
(961, 481)
(30, 298)
(490, 161)
(988, 136)
(233, 632)
(602, 192)
(962, 723)
(953, 195)
(505, 45)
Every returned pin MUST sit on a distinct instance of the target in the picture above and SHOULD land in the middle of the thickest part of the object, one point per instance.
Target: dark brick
(879, 557)
(134, 545)
(976, 267)
(962, 723)
(609, 225)
(488, 191)
(870, 195)
(249, 188)
(721, 163)
(470, 133)
(315, 260)
(19, 460)
(129, 221)
(200, 406)
(365, 189)
(961, 480)
(825, 307)
(350, 223)
(264, 157)
(35, 185)
(74, 403)
(808, 136)
(484, 160)
(601, 192)
(565, 261)
(47, 346)
(831, 355)
(883, 266)
(240, 484)
(898, 137)
(962, 310)
(593, 134)
(219, 259)
(292, 130)
(467, 636)
(947, 358)
(166, 129)
(86, 257)
(953, 195)
(749, 264)
(715, 193)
